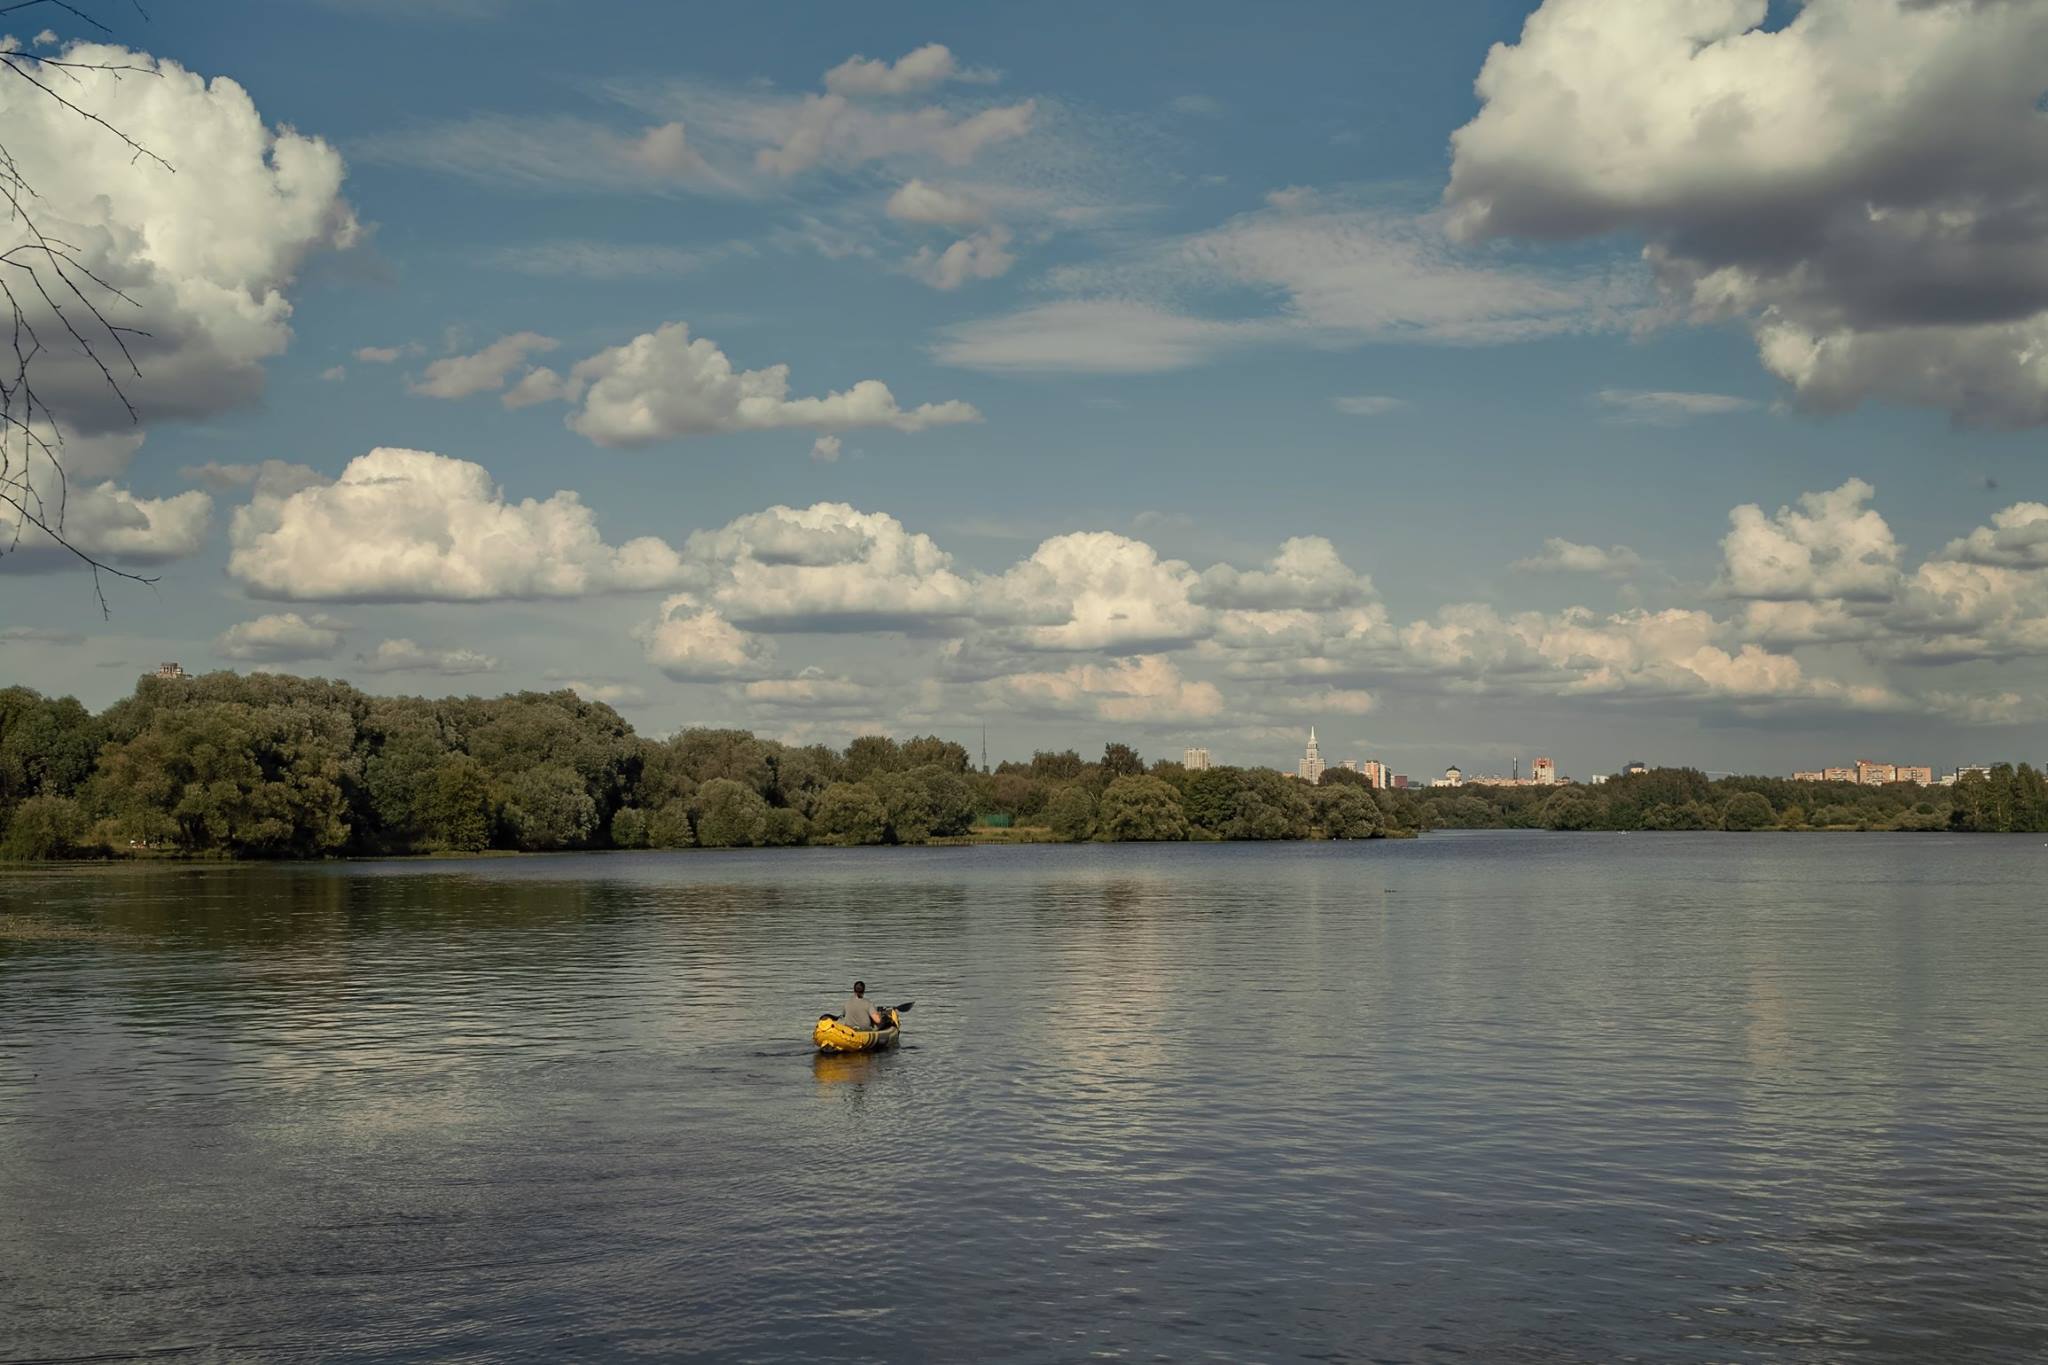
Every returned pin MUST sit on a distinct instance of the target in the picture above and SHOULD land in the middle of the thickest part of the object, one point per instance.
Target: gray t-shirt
(855, 1015)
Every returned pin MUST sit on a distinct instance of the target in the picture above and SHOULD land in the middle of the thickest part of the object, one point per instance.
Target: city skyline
(927, 370)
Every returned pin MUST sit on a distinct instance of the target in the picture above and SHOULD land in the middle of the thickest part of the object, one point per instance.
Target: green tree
(1748, 811)
(548, 807)
(1120, 760)
(45, 827)
(629, 827)
(1141, 808)
(730, 814)
(849, 813)
(1071, 814)
(1346, 812)
(929, 751)
(670, 826)
(869, 756)
(457, 814)
(785, 828)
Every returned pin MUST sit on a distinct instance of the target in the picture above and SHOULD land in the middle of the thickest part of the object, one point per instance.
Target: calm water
(1505, 1097)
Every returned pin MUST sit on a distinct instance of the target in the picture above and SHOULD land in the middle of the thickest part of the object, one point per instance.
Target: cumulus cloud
(666, 384)
(1564, 556)
(1833, 545)
(204, 255)
(825, 449)
(610, 693)
(280, 638)
(1306, 573)
(404, 656)
(693, 643)
(412, 526)
(831, 567)
(1857, 183)
(927, 66)
(1097, 590)
(111, 523)
(1144, 690)
(815, 690)
(462, 376)
(2017, 538)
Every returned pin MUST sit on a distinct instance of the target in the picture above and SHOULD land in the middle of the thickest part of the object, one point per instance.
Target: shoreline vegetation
(270, 765)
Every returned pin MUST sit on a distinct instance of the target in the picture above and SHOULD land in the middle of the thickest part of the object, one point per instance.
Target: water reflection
(1504, 1096)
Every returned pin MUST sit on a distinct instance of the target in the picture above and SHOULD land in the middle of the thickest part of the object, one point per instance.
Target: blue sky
(1225, 392)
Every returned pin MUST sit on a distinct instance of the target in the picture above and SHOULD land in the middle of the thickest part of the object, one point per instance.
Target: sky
(1613, 380)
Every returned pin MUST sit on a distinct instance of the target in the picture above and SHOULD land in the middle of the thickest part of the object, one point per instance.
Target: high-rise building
(1543, 772)
(1870, 774)
(1807, 775)
(1376, 774)
(1196, 760)
(1310, 769)
(1838, 774)
(1400, 781)
(1921, 776)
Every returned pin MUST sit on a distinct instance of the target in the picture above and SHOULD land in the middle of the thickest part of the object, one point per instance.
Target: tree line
(274, 766)
(2011, 799)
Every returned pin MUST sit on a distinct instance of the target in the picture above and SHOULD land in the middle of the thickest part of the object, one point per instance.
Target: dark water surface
(1501, 1097)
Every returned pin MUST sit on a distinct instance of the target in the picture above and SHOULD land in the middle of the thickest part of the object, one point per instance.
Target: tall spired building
(1310, 768)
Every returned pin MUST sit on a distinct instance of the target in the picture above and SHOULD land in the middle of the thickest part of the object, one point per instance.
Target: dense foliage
(2011, 800)
(272, 766)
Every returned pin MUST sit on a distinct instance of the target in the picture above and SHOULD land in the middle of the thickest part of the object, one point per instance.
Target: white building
(1543, 772)
(1310, 769)
(1196, 760)
(1453, 777)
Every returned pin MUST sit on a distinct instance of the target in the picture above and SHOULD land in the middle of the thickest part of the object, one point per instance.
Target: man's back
(855, 1015)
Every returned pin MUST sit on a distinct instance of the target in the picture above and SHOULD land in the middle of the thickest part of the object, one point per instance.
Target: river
(1492, 1096)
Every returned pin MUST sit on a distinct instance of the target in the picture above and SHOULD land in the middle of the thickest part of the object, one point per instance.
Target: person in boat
(859, 1011)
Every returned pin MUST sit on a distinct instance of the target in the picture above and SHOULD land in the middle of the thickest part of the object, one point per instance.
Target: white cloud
(334, 374)
(39, 635)
(1368, 404)
(1144, 690)
(1857, 183)
(825, 449)
(693, 643)
(666, 384)
(1832, 546)
(982, 256)
(916, 201)
(205, 254)
(381, 355)
(280, 638)
(463, 376)
(596, 260)
(413, 526)
(816, 690)
(1199, 106)
(1665, 408)
(1096, 590)
(404, 656)
(831, 567)
(2017, 538)
(1564, 556)
(1307, 573)
(930, 65)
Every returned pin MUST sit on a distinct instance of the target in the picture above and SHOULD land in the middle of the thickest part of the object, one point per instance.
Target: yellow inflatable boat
(831, 1035)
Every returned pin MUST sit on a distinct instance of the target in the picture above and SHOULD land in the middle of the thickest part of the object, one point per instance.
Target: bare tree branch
(44, 277)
